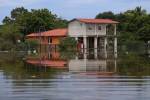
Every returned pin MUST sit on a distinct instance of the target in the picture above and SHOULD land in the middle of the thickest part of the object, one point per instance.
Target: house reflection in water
(89, 63)
(49, 60)
(92, 64)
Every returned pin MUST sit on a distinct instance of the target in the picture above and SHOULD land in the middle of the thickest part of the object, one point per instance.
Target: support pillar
(115, 47)
(95, 47)
(85, 44)
(115, 41)
(76, 38)
(76, 57)
(105, 47)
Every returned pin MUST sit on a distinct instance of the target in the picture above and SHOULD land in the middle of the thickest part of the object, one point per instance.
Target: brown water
(69, 77)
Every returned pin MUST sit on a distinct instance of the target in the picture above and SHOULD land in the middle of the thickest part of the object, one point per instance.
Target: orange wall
(55, 40)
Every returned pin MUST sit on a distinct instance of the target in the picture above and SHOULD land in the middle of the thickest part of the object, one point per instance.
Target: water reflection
(75, 62)
(74, 76)
(51, 60)
(92, 64)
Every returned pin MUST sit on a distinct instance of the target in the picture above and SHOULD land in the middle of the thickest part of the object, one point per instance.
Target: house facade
(97, 34)
(91, 34)
(49, 38)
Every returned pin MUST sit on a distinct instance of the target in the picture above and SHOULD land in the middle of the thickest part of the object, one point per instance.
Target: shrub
(67, 44)
(31, 44)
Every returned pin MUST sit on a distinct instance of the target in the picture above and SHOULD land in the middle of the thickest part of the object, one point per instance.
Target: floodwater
(74, 76)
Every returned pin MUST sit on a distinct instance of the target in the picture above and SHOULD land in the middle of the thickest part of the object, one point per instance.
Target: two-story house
(99, 34)
(96, 34)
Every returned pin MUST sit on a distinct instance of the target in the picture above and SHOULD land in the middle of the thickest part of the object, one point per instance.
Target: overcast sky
(69, 9)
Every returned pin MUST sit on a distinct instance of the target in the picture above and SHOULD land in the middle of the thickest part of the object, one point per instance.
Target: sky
(69, 9)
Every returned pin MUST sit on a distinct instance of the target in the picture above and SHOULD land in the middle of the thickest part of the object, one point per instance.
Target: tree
(106, 15)
(31, 44)
(17, 12)
(7, 20)
(68, 44)
(134, 25)
(144, 33)
(139, 11)
(10, 32)
(32, 21)
(23, 22)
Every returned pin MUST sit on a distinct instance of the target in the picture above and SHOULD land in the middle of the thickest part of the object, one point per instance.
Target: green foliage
(7, 20)
(144, 33)
(10, 32)
(68, 44)
(34, 20)
(32, 44)
(107, 15)
(15, 13)
(67, 55)
(23, 22)
(6, 45)
(133, 65)
(134, 24)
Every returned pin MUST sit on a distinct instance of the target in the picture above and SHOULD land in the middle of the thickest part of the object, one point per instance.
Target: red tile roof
(32, 35)
(55, 32)
(97, 21)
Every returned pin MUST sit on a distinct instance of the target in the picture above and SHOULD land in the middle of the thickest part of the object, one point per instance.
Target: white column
(76, 57)
(95, 30)
(95, 42)
(115, 47)
(115, 41)
(76, 38)
(105, 47)
(85, 44)
(95, 47)
(115, 30)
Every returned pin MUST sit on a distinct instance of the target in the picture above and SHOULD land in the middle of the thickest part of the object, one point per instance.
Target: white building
(97, 34)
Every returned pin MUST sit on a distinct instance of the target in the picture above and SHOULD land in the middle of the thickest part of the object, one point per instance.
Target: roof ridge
(102, 20)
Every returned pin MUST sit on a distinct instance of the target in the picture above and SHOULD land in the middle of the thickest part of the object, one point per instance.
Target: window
(89, 28)
(99, 28)
(43, 38)
(49, 40)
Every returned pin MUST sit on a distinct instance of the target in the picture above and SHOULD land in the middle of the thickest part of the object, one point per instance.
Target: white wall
(77, 28)
(95, 30)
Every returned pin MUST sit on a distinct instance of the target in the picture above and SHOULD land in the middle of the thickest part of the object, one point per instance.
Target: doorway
(90, 43)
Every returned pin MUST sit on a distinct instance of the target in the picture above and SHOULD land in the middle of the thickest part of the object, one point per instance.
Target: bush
(67, 44)
(31, 44)
(6, 45)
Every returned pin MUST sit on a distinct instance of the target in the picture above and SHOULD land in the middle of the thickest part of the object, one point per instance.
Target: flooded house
(98, 35)
(50, 38)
